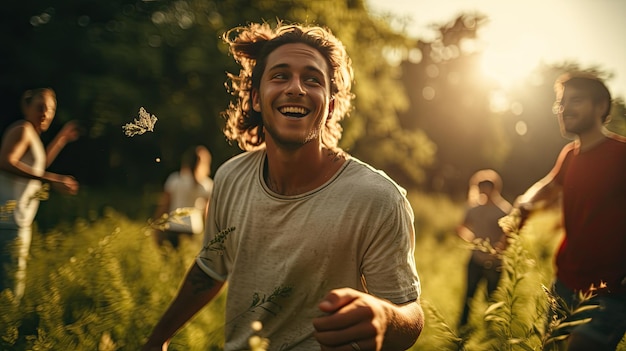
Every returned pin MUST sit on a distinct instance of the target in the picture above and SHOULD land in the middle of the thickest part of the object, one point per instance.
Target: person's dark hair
(250, 46)
(29, 95)
(588, 82)
(190, 158)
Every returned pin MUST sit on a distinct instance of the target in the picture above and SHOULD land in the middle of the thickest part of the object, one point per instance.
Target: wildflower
(7, 209)
(511, 223)
(163, 222)
(145, 123)
(42, 194)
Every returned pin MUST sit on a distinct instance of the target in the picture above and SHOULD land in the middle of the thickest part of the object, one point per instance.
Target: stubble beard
(291, 143)
(578, 128)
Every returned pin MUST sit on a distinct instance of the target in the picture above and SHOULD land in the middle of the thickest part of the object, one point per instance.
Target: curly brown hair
(250, 46)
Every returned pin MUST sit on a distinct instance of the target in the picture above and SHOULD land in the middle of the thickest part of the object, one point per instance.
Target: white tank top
(20, 189)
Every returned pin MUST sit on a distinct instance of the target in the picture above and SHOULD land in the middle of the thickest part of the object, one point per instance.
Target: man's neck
(294, 172)
(589, 140)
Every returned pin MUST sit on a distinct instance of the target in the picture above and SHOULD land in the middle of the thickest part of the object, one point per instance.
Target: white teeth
(293, 109)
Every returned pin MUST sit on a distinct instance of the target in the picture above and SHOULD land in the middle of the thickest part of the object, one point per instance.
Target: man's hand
(355, 321)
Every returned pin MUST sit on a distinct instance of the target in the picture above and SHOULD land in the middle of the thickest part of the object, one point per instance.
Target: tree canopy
(421, 111)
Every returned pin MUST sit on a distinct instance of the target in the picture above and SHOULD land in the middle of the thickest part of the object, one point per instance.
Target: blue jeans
(608, 320)
(14, 248)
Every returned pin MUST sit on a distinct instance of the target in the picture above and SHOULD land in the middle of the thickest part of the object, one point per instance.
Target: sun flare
(509, 64)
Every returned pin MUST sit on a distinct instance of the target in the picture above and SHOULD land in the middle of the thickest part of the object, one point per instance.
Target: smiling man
(314, 244)
(589, 177)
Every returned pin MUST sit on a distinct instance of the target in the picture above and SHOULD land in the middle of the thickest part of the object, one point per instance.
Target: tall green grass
(101, 285)
(98, 282)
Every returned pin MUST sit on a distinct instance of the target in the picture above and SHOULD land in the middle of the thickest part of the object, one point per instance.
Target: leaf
(145, 123)
(493, 318)
(557, 338)
(582, 309)
(520, 343)
(494, 307)
(572, 323)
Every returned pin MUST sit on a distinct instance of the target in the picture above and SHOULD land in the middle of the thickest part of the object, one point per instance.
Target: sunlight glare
(428, 93)
(521, 128)
(508, 66)
(415, 56)
(498, 101)
(393, 55)
(517, 108)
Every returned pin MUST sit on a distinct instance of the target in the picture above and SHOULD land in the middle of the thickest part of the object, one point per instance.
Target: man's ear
(256, 102)
(331, 107)
(602, 108)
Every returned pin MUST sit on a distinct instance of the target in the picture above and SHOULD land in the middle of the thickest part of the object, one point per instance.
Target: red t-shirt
(594, 214)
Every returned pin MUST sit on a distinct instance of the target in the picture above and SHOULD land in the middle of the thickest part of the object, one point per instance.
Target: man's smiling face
(294, 95)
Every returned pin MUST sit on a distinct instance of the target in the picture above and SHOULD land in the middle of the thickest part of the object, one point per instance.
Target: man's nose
(295, 87)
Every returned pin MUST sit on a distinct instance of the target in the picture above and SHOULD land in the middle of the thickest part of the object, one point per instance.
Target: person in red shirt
(590, 178)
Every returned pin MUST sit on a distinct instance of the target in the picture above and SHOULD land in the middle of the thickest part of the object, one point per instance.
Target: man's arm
(546, 192)
(540, 195)
(370, 322)
(197, 290)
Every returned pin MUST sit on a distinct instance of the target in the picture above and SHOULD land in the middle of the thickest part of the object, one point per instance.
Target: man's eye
(279, 76)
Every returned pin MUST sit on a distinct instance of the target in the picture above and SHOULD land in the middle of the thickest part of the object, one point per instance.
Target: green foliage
(106, 59)
(102, 284)
(517, 317)
(515, 320)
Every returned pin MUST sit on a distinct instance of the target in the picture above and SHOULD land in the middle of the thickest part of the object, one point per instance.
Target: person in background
(485, 208)
(589, 178)
(23, 163)
(186, 197)
(316, 246)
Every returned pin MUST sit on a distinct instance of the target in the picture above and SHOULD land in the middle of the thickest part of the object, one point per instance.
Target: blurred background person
(23, 163)
(485, 207)
(185, 198)
(589, 178)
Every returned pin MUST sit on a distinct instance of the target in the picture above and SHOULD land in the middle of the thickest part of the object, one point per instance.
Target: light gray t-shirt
(281, 255)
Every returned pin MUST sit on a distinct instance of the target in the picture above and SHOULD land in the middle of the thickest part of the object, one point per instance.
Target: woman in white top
(185, 197)
(23, 163)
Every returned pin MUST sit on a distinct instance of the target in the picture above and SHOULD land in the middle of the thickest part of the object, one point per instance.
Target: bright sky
(523, 33)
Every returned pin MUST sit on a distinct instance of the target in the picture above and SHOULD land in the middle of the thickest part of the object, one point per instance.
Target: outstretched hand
(71, 131)
(65, 185)
(354, 321)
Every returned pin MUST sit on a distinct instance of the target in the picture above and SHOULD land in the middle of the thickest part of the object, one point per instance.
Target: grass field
(98, 283)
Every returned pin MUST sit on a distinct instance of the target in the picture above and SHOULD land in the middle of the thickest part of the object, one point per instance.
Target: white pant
(14, 250)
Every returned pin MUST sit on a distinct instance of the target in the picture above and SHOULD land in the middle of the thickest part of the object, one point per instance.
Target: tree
(106, 59)
(449, 100)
